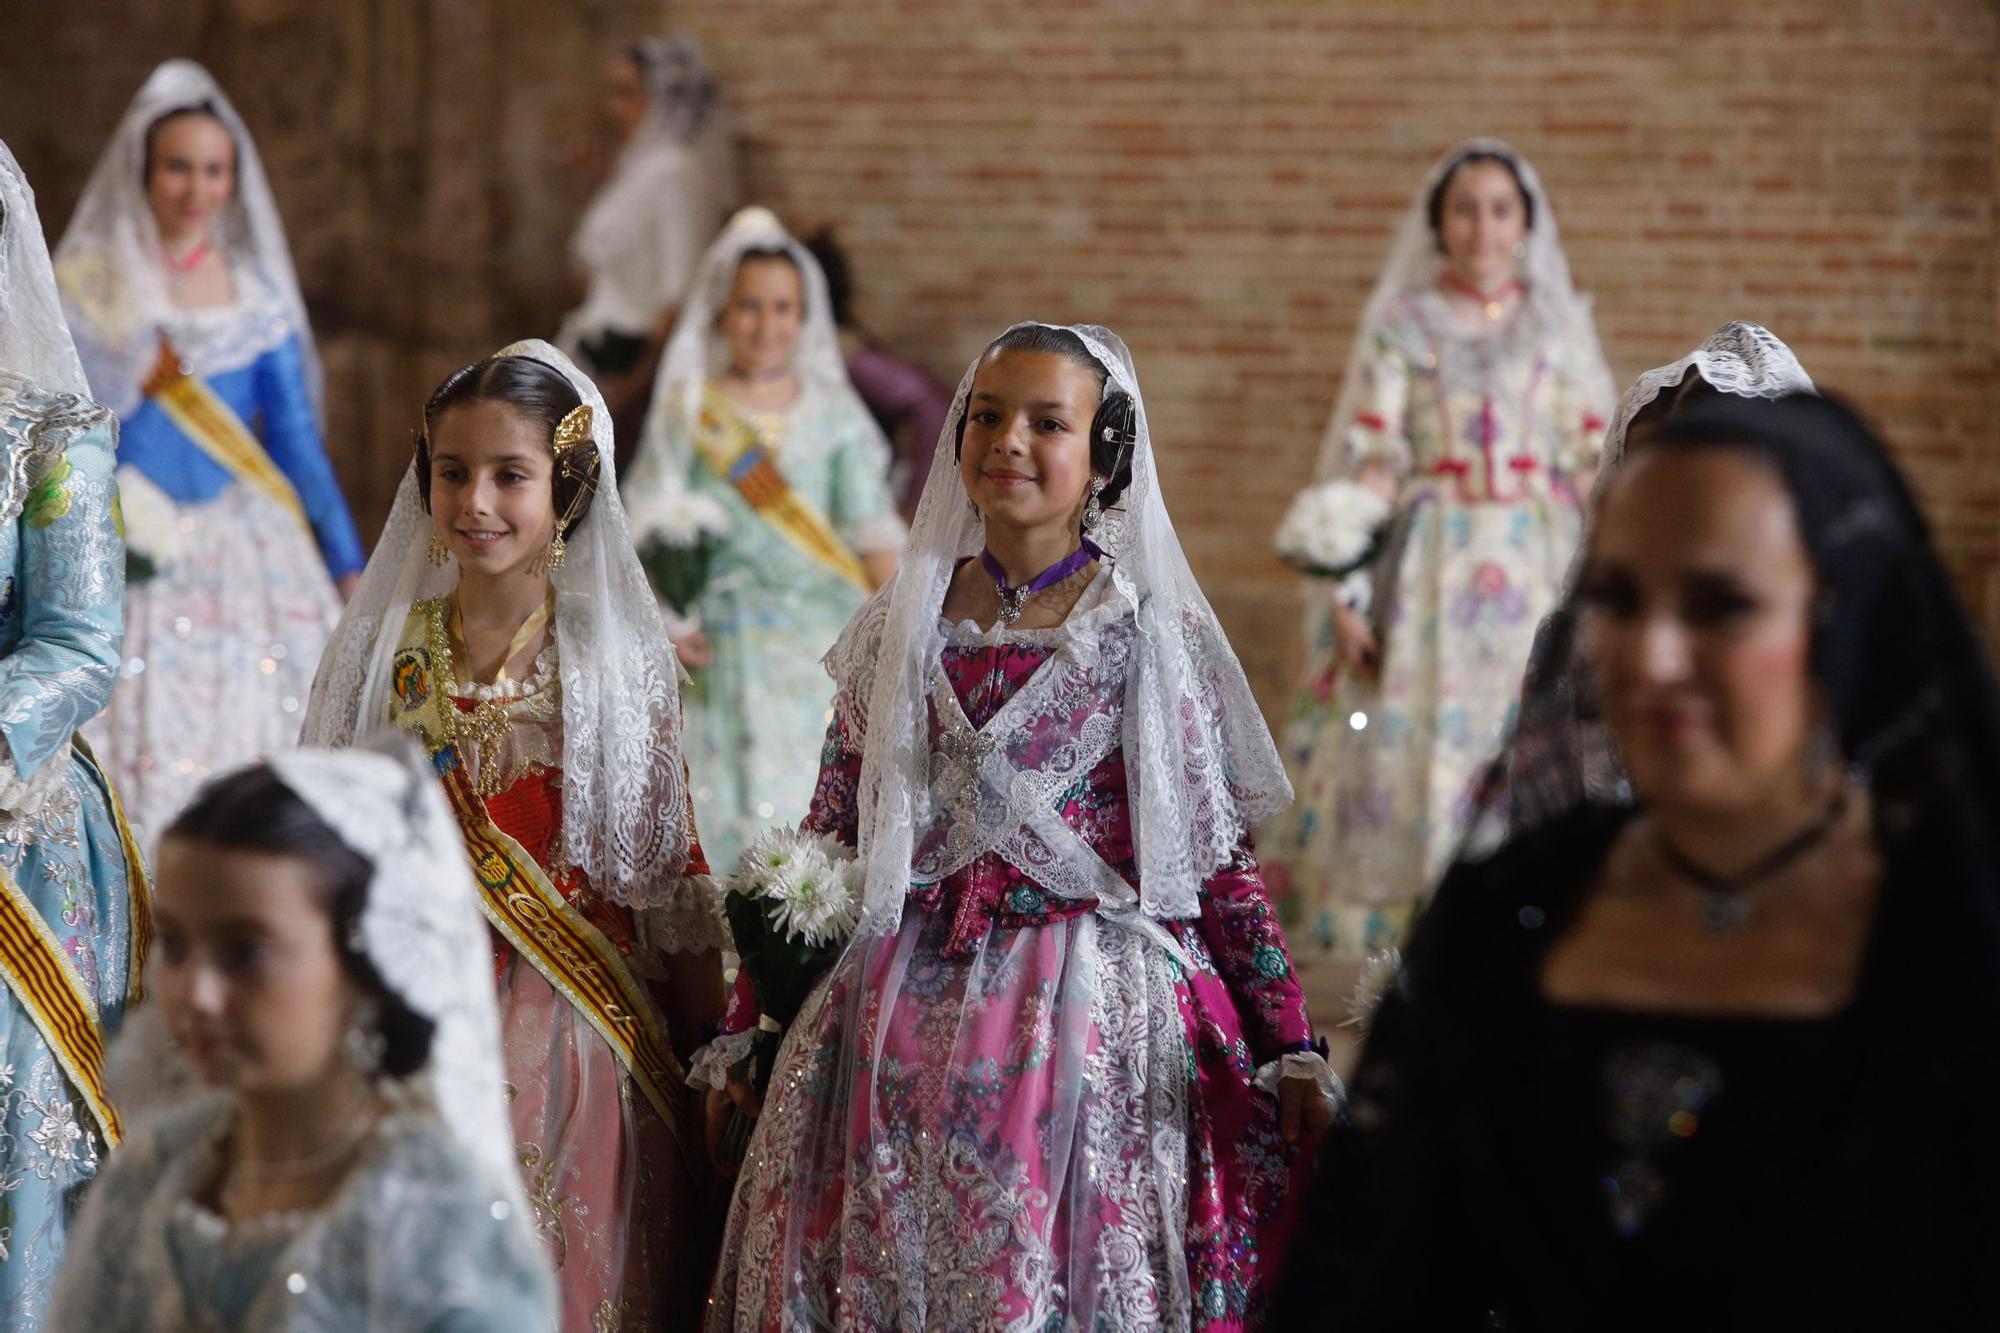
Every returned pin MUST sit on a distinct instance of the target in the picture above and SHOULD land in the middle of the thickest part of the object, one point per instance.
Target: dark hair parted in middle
(1434, 206)
(166, 118)
(1114, 430)
(539, 392)
(252, 810)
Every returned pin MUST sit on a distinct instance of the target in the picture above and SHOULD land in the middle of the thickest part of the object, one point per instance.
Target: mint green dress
(757, 713)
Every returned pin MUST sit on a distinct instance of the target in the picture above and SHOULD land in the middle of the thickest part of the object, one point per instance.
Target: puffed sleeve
(1581, 409)
(863, 510)
(68, 595)
(1379, 426)
(291, 436)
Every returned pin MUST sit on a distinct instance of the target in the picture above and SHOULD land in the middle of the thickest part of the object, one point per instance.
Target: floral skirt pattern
(1057, 1132)
(1381, 805)
(70, 864)
(220, 651)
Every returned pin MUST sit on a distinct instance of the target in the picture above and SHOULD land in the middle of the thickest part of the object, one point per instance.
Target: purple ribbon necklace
(1014, 600)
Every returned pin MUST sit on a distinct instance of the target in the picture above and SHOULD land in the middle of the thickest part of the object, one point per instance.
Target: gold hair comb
(572, 430)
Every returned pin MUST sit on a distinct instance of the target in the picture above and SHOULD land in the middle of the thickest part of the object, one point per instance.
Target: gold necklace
(486, 728)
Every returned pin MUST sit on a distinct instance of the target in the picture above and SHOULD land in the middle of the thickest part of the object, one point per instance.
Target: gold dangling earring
(436, 552)
(552, 558)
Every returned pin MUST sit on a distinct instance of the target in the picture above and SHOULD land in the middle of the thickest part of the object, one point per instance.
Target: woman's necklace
(486, 728)
(181, 269)
(1726, 905)
(1493, 303)
(1014, 600)
(241, 1174)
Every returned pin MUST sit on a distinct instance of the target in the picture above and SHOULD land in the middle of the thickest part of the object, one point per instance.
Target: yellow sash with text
(45, 981)
(734, 452)
(519, 900)
(215, 428)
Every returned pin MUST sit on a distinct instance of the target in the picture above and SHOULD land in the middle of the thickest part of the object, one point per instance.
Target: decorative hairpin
(572, 430)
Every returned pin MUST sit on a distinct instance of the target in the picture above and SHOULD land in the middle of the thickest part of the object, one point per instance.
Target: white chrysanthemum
(152, 523)
(815, 900)
(1331, 527)
(678, 516)
(769, 855)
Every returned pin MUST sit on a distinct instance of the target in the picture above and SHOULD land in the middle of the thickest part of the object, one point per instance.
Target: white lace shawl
(625, 803)
(35, 341)
(113, 270)
(1552, 301)
(1200, 762)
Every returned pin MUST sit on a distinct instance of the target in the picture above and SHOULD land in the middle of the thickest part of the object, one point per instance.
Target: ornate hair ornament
(572, 460)
(572, 430)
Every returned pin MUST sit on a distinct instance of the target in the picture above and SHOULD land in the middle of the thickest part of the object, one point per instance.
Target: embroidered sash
(518, 898)
(43, 979)
(215, 428)
(731, 448)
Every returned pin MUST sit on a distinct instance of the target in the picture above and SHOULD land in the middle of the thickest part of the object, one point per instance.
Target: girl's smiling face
(1025, 454)
(491, 488)
(765, 312)
(191, 176)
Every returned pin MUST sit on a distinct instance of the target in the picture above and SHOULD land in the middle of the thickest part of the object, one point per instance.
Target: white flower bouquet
(792, 905)
(1333, 529)
(150, 524)
(677, 536)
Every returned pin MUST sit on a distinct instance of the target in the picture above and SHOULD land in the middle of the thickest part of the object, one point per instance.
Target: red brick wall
(1217, 181)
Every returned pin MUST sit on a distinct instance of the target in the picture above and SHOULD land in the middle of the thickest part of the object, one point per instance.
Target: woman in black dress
(1726, 1056)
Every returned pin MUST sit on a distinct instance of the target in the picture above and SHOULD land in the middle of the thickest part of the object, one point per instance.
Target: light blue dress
(61, 592)
(414, 1241)
(757, 713)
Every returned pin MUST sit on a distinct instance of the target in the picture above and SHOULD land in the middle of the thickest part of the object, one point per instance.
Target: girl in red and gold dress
(506, 623)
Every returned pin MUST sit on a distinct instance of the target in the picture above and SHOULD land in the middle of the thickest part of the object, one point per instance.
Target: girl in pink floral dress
(1063, 1077)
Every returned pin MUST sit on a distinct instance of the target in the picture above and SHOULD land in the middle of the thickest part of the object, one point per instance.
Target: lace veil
(625, 800)
(113, 270)
(1200, 761)
(696, 351)
(422, 930)
(1413, 263)
(1561, 752)
(680, 158)
(34, 339)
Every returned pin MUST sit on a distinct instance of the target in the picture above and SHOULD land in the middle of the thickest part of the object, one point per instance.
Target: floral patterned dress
(615, 1197)
(61, 843)
(1033, 1117)
(1484, 431)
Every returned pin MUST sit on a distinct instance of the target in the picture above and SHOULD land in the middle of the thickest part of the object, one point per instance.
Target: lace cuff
(709, 1067)
(1308, 1065)
(688, 920)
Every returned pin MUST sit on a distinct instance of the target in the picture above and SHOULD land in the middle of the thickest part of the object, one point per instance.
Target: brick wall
(1215, 180)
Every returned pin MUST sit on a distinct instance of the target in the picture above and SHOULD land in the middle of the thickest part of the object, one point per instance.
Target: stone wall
(1216, 180)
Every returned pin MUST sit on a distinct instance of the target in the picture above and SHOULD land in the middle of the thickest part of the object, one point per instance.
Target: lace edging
(1308, 1065)
(709, 1067)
